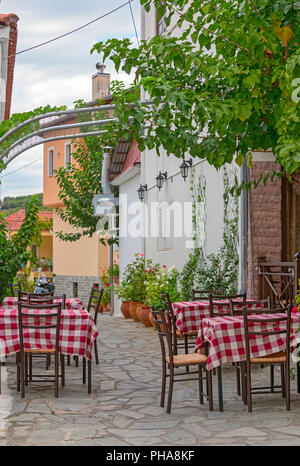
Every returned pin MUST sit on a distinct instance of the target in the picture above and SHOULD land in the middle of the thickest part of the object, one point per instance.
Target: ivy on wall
(219, 270)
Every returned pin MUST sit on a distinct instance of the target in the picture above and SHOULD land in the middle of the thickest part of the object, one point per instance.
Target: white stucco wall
(128, 246)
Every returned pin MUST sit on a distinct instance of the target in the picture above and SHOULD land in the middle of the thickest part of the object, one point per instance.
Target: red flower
(146, 270)
(164, 266)
(107, 284)
(295, 309)
(142, 254)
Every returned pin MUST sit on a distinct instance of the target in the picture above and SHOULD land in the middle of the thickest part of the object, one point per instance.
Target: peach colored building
(76, 265)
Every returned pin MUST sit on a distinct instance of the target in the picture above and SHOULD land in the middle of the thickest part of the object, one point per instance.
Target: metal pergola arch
(35, 136)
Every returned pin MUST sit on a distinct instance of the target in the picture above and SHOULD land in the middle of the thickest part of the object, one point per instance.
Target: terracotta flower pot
(106, 308)
(132, 310)
(138, 311)
(144, 315)
(152, 320)
(125, 309)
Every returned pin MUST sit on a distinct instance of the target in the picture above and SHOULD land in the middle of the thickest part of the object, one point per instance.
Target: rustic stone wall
(266, 219)
(65, 284)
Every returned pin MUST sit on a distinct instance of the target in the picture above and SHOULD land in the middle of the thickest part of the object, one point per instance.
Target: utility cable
(134, 25)
(74, 30)
(21, 168)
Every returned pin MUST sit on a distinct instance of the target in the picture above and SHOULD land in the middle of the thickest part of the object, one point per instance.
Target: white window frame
(51, 149)
(68, 144)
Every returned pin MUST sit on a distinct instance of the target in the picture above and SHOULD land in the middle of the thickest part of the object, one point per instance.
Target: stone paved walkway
(124, 406)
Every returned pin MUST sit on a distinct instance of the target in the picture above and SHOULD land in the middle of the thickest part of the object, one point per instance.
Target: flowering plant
(164, 280)
(132, 287)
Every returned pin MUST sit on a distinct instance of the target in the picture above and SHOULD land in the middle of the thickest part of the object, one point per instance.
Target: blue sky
(58, 73)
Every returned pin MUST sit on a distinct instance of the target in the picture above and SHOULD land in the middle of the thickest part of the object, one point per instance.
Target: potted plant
(163, 281)
(105, 301)
(132, 287)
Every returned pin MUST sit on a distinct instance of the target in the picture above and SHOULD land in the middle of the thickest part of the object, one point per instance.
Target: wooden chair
(94, 304)
(175, 332)
(281, 358)
(215, 301)
(43, 299)
(236, 310)
(171, 362)
(14, 288)
(33, 321)
(34, 298)
(197, 295)
(252, 306)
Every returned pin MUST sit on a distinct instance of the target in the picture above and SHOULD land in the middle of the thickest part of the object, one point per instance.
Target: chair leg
(244, 383)
(220, 388)
(238, 379)
(30, 367)
(272, 378)
(170, 390)
(249, 394)
(62, 363)
(186, 350)
(287, 386)
(200, 384)
(282, 380)
(89, 376)
(163, 385)
(22, 376)
(76, 360)
(96, 352)
(68, 360)
(48, 361)
(26, 370)
(18, 372)
(209, 390)
(56, 374)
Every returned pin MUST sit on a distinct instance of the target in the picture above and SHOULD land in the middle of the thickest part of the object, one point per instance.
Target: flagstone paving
(123, 408)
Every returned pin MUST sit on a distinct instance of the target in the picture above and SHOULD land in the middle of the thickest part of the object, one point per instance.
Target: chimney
(101, 83)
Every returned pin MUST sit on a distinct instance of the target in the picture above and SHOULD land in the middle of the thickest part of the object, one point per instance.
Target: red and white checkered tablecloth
(190, 314)
(226, 338)
(77, 333)
(12, 303)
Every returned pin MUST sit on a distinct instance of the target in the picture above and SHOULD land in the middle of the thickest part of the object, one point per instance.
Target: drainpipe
(106, 191)
(104, 202)
(244, 230)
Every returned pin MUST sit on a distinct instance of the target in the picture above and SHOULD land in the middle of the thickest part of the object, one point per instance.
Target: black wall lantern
(160, 179)
(141, 191)
(184, 168)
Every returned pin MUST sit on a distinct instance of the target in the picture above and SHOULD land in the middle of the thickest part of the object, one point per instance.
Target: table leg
(83, 370)
(220, 388)
(89, 376)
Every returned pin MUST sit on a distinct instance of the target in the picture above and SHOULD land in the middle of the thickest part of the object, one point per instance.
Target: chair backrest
(280, 325)
(33, 298)
(14, 288)
(23, 296)
(168, 308)
(252, 306)
(205, 294)
(215, 301)
(39, 320)
(163, 322)
(95, 301)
